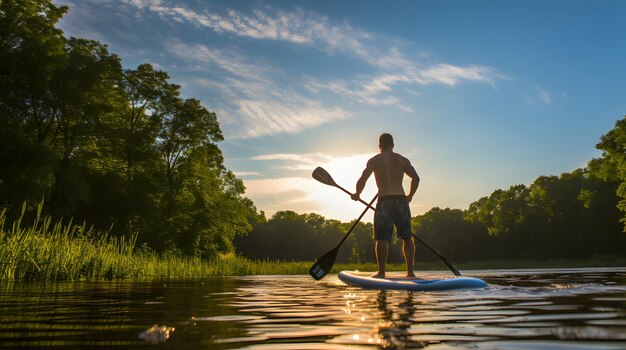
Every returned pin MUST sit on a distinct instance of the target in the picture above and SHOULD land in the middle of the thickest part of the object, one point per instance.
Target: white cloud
(143, 3)
(368, 92)
(292, 115)
(228, 60)
(381, 89)
(256, 99)
(257, 103)
(545, 95)
(393, 67)
(303, 158)
(246, 173)
(451, 75)
(296, 27)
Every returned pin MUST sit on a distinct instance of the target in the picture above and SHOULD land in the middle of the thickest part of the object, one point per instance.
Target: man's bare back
(389, 169)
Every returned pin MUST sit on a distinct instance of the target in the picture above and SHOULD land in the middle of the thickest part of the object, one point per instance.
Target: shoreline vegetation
(52, 251)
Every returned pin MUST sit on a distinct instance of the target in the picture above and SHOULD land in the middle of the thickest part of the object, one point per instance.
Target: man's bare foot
(410, 274)
(379, 275)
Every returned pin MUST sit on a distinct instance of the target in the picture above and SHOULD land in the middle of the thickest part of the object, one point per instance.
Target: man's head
(385, 141)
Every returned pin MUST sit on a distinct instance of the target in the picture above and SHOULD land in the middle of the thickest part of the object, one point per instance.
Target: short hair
(385, 140)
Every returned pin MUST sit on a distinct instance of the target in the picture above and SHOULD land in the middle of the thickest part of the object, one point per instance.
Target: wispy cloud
(272, 116)
(297, 162)
(297, 27)
(258, 103)
(370, 91)
(246, 173)
(545, 95)
(382, 89)
(228, 60)
(451, 75)
(310, 158)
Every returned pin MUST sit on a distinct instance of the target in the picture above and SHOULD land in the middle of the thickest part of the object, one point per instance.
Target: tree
(139, 123)
(84, 93)
(448, 231)
(612, 165)
(31, 50)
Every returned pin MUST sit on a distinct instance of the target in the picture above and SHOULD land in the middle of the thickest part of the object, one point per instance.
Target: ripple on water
(529, 345)
(556, 309)
(232, 318)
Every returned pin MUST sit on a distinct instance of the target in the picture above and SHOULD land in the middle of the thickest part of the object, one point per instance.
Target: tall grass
(52, 251)
(48, 250)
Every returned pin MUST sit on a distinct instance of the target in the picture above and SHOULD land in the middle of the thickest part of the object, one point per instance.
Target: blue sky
(479, 95)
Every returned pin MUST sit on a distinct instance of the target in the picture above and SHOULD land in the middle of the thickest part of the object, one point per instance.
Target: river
(521, 309)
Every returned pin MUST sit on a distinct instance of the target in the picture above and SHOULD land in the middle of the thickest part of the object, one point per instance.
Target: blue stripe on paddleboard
(415, 284)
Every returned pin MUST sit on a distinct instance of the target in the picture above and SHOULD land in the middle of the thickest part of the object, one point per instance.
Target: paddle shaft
(324, 264)
(369, 206)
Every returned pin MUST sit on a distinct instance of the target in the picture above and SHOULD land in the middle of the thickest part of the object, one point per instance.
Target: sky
(479, 95)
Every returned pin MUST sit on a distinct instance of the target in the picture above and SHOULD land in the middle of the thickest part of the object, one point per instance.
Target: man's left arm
(415, 180)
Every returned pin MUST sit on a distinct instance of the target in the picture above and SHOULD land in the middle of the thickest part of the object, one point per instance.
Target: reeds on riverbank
(45, 250)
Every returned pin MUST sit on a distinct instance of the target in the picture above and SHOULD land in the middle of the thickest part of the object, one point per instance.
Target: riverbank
(50, 251)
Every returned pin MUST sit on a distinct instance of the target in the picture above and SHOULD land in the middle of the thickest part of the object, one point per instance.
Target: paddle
(323, 265)
(324, 177)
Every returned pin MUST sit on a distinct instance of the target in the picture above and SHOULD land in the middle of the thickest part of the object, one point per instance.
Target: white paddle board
(409, 283)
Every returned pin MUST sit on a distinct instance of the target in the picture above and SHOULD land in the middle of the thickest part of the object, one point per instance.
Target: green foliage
(107, 145)
(612, 165)
(448, 231)
(295, 237)
(571, 216)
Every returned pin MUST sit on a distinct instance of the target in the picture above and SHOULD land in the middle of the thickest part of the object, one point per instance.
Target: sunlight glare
(345, 171)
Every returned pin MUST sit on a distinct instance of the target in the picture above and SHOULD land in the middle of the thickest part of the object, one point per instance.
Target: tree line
(571, 216)
(107, 145)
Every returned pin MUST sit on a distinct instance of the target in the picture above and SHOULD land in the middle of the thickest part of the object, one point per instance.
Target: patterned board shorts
(392, 211)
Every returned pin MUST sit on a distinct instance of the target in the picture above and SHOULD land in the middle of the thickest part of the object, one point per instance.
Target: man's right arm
(360, 185)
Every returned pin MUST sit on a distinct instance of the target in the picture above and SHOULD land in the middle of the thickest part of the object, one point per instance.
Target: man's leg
(408, 248)
(382, 246)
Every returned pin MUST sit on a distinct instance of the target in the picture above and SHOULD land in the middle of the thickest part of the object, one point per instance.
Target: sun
(335, 203)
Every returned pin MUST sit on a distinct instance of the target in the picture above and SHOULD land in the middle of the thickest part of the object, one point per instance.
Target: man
(393, 206)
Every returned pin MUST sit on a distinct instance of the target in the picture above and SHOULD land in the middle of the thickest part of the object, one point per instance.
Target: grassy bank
(43, 250)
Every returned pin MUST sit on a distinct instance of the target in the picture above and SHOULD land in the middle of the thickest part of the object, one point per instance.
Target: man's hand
(355, 197)
(409, 198)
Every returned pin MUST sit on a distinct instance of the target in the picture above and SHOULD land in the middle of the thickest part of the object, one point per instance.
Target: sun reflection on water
(397, 319)
(550, 309)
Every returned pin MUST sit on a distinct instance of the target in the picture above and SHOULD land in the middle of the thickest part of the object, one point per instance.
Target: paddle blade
(323, 176)
(323, 265)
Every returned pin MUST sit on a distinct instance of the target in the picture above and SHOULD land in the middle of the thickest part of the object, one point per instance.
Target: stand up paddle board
(409, 283)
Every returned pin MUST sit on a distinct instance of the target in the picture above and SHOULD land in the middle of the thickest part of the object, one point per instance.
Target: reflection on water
(522, 309)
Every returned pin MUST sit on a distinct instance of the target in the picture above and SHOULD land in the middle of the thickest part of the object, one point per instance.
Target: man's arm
(360, 185)
(415, 180)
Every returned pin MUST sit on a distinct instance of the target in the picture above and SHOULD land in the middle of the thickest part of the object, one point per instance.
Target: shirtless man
(393, 205)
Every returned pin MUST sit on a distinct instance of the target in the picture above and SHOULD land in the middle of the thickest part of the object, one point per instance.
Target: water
(521, 309)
